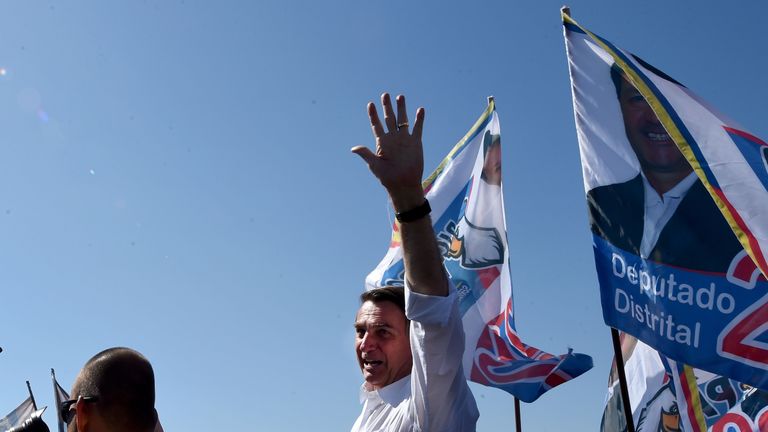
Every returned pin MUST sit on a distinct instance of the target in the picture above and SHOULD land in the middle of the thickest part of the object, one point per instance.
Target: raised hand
(398, 162)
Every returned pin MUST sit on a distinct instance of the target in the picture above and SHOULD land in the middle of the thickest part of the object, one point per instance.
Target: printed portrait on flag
(664, 213)
(476, 240)
(678, 209)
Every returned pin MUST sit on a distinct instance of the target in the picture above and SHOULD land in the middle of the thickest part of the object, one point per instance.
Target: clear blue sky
(175, 176)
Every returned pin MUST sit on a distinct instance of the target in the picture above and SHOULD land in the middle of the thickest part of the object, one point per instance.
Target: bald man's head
(124, 383)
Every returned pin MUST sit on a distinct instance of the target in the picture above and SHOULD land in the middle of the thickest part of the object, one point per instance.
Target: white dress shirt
(435, 396)
(659, 209)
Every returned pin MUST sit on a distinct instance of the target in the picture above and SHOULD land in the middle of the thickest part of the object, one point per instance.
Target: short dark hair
(124, 382)
(617, 74)
(392, 294)
(489, 140)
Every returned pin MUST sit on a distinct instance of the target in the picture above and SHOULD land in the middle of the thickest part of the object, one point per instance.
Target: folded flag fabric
(669, 396)
(712, 403)
(18, 415)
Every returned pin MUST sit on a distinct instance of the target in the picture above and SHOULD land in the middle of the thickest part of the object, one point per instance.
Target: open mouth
(370, 364)
(660, 137)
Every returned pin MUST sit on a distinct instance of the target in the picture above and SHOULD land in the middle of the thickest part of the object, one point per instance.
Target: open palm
(398, 162)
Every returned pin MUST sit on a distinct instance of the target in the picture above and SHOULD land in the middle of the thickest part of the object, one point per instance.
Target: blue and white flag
(468, 217)
(678, 206)
(651, 393)
(18, 415)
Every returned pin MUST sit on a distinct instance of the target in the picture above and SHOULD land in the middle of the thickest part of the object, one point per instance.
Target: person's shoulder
(621, 194)
(635, 183)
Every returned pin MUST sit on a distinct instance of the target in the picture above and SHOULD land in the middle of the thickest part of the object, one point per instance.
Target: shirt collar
(679, 191)
(391, 394)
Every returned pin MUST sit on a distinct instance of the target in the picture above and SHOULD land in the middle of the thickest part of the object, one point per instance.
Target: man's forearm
(423, 263)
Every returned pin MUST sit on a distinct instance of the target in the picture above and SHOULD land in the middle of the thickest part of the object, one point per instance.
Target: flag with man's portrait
(465, 194)
(678, 206)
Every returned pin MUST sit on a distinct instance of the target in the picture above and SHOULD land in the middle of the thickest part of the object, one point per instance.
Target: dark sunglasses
(66, 411)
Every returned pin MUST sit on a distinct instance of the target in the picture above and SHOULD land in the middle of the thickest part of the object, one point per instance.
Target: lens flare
(42, 115)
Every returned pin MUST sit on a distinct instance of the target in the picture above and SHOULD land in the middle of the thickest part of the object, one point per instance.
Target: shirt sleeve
(440, 394)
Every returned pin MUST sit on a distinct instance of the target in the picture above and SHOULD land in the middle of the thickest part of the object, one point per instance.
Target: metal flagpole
(31, 396)
(622, 380)
(566, 10)
(56, 399)
(518, 423)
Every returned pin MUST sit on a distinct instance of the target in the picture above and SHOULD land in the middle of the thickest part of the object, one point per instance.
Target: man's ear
(82, 411)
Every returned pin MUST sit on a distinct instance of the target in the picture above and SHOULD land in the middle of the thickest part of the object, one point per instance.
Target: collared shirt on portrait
(659, 209)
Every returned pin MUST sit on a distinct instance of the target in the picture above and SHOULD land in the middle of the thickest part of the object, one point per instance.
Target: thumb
(365, 153)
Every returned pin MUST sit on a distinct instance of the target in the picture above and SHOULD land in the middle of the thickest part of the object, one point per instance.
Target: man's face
(382, 344)
(492, 165)
(652, 144)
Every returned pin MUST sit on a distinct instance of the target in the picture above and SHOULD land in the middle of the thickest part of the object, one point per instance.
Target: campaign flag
(650, 390)
(678, 206)
(60, 396)
(18, 415)
(712, 403)
(465, 194)
(669, 396)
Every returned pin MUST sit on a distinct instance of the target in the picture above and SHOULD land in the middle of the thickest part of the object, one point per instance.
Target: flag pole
(518, 423)
(56, 399)
(31, 396)
(622, 380)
